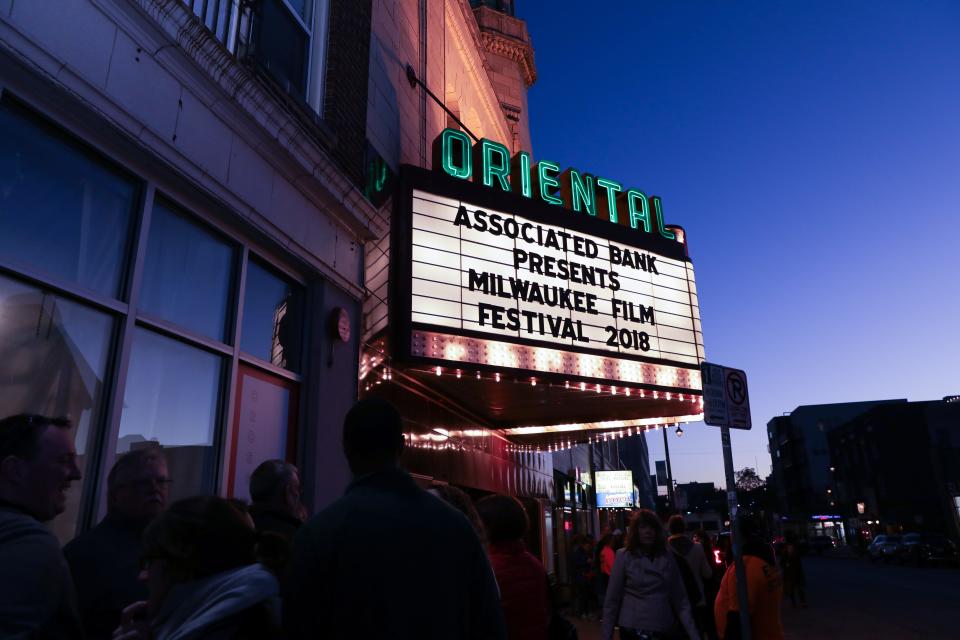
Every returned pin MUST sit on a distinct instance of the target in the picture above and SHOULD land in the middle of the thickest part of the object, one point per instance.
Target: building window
(272, 318)
(54, 355)
(172, 398)
(62, 214)
(187, 275)
(69, 256)
(286, 38)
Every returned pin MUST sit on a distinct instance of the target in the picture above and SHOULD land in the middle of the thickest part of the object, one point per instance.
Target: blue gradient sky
(812, 152)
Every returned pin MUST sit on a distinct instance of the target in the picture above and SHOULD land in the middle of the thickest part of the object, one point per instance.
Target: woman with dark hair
(521, 577)
(199, 566)
(646, 596)
(459, 500)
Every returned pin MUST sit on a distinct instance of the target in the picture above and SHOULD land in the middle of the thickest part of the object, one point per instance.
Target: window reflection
(172, 398)
(187, 274)
(272, 318)
(61, 212)
(53, 357)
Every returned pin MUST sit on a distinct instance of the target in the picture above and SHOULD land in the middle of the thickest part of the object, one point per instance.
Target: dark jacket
(389, 560)
(105, 564)
(523, 590)
(239, 604)
(37, 598)
(271, 521)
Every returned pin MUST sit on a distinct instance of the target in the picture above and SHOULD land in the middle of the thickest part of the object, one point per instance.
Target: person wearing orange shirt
(764, 589)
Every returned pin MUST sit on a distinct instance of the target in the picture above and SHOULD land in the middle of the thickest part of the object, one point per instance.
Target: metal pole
(666, 449)
(742, 598)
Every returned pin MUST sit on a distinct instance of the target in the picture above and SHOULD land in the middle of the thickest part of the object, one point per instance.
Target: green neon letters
(637, 214)
(607, 192)
(520, 174)
(454, 157)
(658, 212)
(582, 194)
(547, 173)
(489, 163)
(493, 159)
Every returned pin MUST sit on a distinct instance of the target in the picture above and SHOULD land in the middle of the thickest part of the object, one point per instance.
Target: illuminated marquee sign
(490, 277)
(615, 489)
(489, 163)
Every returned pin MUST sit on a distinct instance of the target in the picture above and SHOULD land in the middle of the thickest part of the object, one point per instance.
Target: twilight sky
(812, 152)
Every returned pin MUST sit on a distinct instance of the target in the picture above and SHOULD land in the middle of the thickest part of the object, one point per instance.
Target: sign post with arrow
(726, 404)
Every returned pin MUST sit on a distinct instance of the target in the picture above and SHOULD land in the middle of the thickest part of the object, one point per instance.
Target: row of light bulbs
(569, 444)
(584, 386)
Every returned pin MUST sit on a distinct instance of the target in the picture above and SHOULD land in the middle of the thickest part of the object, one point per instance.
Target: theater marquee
(491, 279)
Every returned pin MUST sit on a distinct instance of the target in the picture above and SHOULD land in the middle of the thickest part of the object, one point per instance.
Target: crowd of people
(387, 560)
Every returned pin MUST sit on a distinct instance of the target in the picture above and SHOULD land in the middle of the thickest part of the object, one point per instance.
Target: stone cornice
(519, 52)
(295, 143)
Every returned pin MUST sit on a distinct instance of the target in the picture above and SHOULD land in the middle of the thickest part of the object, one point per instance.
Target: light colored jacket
(646, 593)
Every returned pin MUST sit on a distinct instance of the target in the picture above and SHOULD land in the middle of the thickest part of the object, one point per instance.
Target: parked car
(885, 548)
(819, 544)
(928, 547)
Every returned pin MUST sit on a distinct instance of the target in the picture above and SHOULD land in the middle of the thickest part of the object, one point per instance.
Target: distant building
(800, 463)
(635, 456)
(896, 468)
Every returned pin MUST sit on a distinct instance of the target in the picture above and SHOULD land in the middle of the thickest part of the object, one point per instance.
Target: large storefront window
(54, 355)
(173, 398)
(70, 346)
(272, 324)
(187, 275)
(61, 213)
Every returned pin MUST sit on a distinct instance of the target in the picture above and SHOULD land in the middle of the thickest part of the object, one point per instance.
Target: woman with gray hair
(646, 597)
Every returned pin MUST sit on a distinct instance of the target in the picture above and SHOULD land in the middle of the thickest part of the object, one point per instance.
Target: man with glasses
(105, 561)
(38, 463)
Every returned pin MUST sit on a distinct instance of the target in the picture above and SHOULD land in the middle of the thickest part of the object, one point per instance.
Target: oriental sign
(491, 277)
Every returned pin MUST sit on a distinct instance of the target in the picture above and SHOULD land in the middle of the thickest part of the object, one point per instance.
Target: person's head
(676, 526)
(645, 533)
(275, 484)
(372, 436)
(460, 501)
(701, 537)
(38, 463)
(138, 485)
(504, 518)
(194, 539)
(616, 539)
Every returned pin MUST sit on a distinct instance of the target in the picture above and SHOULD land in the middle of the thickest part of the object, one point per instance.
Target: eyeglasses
(149, 483)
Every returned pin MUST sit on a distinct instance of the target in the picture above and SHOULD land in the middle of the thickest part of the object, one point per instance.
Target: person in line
(605, 555)
(646, 596)
(520, 575)
(764, 588)
(275, 504)
(201, 576)
(693, 555)
(388, 560)
(583, 575)
(459, 500)
(794, 580)
(276, 511)
(712, 584)
(38, 463)
(105, 561)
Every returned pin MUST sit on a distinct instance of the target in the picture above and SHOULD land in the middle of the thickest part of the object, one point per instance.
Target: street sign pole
(727, 404)
(742, 599)
(666, 450)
